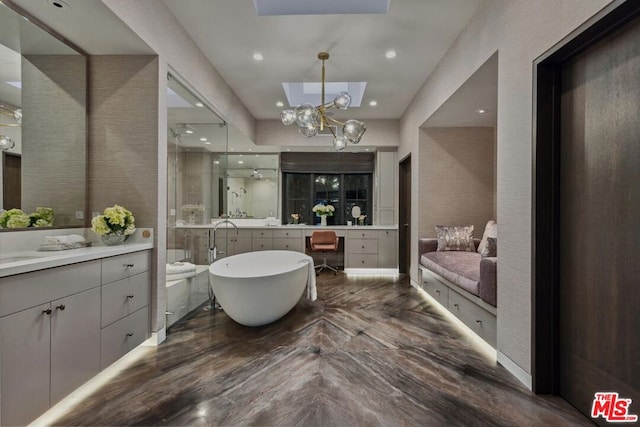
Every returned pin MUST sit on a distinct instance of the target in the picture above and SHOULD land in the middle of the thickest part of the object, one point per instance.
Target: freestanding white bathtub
(258, 288)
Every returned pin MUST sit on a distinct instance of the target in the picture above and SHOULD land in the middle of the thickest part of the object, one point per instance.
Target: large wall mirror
(43, 127)
(214, 172)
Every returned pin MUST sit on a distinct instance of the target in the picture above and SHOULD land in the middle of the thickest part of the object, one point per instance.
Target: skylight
(310, 92)
(324, 7)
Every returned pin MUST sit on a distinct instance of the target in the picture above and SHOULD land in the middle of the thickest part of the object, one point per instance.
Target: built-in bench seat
(463, 282)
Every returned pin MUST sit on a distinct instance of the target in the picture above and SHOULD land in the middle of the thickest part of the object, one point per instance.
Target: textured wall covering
(456, 178)
(123, 146)
(54, 169)
(520, 31)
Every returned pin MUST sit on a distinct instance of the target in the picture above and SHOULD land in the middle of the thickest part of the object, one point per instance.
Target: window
(344, 191)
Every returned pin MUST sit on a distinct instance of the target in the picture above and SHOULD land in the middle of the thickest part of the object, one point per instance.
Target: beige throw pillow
(454, 238)
(490, 230)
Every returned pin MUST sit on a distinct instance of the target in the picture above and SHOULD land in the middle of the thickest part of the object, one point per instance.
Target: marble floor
(368, 352)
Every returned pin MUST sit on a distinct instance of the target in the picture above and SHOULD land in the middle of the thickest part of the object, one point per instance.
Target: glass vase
(323, 220)
(113, 239)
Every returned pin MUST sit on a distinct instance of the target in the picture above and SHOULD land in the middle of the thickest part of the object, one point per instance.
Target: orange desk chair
(324, 241)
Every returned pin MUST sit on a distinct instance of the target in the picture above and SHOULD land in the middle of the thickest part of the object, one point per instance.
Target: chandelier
(6, 143)
(311, 120)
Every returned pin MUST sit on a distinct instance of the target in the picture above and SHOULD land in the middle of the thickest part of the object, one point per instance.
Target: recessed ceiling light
(390, 54)
(207, 143)
(258, 56)
(58, 4)
(240, 162)
(189, 131)
(231, 149)
(203, 139)
(250, 149)
(481, 111)
(279, 104)
(366, 149)
(288, 149)
(373, 103)
(216, 162)
(199, 104)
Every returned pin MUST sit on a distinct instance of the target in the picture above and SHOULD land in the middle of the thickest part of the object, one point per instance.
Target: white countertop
(292, 226)
(19, 254)
(36, 260)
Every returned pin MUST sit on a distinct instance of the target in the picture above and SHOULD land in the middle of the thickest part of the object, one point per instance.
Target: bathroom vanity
(364, 247)
(65, 316)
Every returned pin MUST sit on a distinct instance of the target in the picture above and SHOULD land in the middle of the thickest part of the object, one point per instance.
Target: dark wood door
(599, 227)
(404, 217)
(11, 181)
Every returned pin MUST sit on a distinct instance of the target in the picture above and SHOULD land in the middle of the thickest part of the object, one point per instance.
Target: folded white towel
(180, 267)
(63, 242)
(65, 239)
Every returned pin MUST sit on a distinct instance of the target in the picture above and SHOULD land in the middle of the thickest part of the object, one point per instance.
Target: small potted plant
(115, 225)
(361, 219)
(295, 218)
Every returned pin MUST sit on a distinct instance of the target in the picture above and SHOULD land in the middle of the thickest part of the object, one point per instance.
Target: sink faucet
(213, 250)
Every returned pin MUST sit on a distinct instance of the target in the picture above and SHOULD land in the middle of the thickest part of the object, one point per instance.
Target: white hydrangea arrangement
(114, 220)
(16, 218)
(322, 209)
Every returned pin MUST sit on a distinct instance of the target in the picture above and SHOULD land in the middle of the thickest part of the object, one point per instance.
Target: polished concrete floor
(368, 352)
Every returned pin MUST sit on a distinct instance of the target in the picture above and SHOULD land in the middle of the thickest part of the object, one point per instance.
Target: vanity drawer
(121, 337)
(437, 290)
(121, 298)
(477, 319)
(288, 244)
(261, 244)
(27, 290)
(362, 246)
(231, 233)
(363, 261)
(123, 266)
(363, 234)
(261, 234)
(284, 234)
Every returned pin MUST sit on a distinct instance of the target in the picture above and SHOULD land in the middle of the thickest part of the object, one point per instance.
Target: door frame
(404, 215)
(546, 184)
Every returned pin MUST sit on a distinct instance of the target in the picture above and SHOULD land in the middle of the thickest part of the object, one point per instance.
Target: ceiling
(230, 32)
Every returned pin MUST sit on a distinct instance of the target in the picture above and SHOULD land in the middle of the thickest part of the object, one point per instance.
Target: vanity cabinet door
(387, 249)
(75, 342)
(239, 245)
(25, 340)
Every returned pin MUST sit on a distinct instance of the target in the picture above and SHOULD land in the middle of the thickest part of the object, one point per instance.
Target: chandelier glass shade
(6, 143)
(313, 119)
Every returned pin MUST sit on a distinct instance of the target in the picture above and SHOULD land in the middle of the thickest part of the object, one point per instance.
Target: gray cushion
(461, 268)
(491, 248)
(490, 230)
(454, 238)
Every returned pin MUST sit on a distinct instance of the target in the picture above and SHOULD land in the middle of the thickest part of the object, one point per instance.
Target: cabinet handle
(363, 261)
(437, 292)
(47, 311)
(130, 334)
(130, 296)
(362, 246)
(456, 305)
(128, 265)
(479, 321)
(61, 307)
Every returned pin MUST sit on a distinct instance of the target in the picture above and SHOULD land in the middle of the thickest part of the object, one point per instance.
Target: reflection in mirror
(212, 171)
(42, 127)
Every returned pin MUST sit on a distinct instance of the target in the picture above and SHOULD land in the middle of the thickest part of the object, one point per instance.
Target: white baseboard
(371, 271)
(523, 376)
(156, 337)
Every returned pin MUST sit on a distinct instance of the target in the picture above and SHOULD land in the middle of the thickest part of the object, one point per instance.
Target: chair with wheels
(324, 241)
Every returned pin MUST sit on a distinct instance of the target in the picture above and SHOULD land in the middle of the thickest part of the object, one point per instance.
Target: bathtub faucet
(213, 249)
